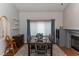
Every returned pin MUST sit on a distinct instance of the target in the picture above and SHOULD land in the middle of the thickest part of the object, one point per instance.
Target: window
(40, 27)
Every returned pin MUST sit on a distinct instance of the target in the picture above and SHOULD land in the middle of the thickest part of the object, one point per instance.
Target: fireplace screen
(75, 42)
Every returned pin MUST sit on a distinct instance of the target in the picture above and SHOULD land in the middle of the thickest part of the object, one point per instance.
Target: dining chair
(40, 47)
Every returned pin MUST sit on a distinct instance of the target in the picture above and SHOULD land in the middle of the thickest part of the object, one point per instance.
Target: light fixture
(61, 3)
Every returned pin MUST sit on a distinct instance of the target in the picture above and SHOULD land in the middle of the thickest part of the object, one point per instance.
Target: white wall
(71, 16)
(10, 12)
(23, 16)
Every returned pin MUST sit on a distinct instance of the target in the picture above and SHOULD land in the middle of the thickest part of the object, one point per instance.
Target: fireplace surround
(69, 38)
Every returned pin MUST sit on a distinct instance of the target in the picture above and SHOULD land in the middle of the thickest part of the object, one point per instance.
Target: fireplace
(75, 42)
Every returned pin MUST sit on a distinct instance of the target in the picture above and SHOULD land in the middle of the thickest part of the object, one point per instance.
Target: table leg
(51, 50)
(28, 49)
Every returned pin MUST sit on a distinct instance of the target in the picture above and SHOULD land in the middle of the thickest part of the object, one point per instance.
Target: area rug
(56, 52)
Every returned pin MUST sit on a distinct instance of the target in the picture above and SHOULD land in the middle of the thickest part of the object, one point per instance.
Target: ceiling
(37, 7)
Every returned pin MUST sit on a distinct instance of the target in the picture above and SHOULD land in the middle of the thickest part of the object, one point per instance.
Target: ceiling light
(61, 3)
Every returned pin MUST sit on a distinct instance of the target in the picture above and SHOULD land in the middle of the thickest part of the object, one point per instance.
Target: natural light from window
(40, 27)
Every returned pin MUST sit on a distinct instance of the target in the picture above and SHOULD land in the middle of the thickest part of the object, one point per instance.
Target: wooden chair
(41, 48)
(10, 45)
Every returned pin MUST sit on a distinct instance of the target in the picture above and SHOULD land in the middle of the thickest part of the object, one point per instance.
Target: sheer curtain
(4, 30)
(40, 27)
(4, 27)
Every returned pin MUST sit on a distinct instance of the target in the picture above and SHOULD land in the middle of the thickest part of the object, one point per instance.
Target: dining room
(40, 36)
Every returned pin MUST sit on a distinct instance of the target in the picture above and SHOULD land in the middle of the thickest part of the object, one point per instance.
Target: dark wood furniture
(19, 39)
(33, 42)
(41, 48)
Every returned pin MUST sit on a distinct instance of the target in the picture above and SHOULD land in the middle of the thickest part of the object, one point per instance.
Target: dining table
(44, 41)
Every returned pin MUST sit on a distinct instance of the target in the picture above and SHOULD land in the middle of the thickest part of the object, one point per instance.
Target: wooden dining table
(45, 41)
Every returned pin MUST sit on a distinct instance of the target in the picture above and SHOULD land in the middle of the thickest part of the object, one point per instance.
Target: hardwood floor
(70, 51)
(67, 51)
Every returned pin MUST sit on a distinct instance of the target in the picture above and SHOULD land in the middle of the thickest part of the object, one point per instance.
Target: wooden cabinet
(19, 40)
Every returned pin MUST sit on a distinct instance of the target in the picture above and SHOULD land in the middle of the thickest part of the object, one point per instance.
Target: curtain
(40, 27)
(28, 31)
(4, 27)
(53, 30)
